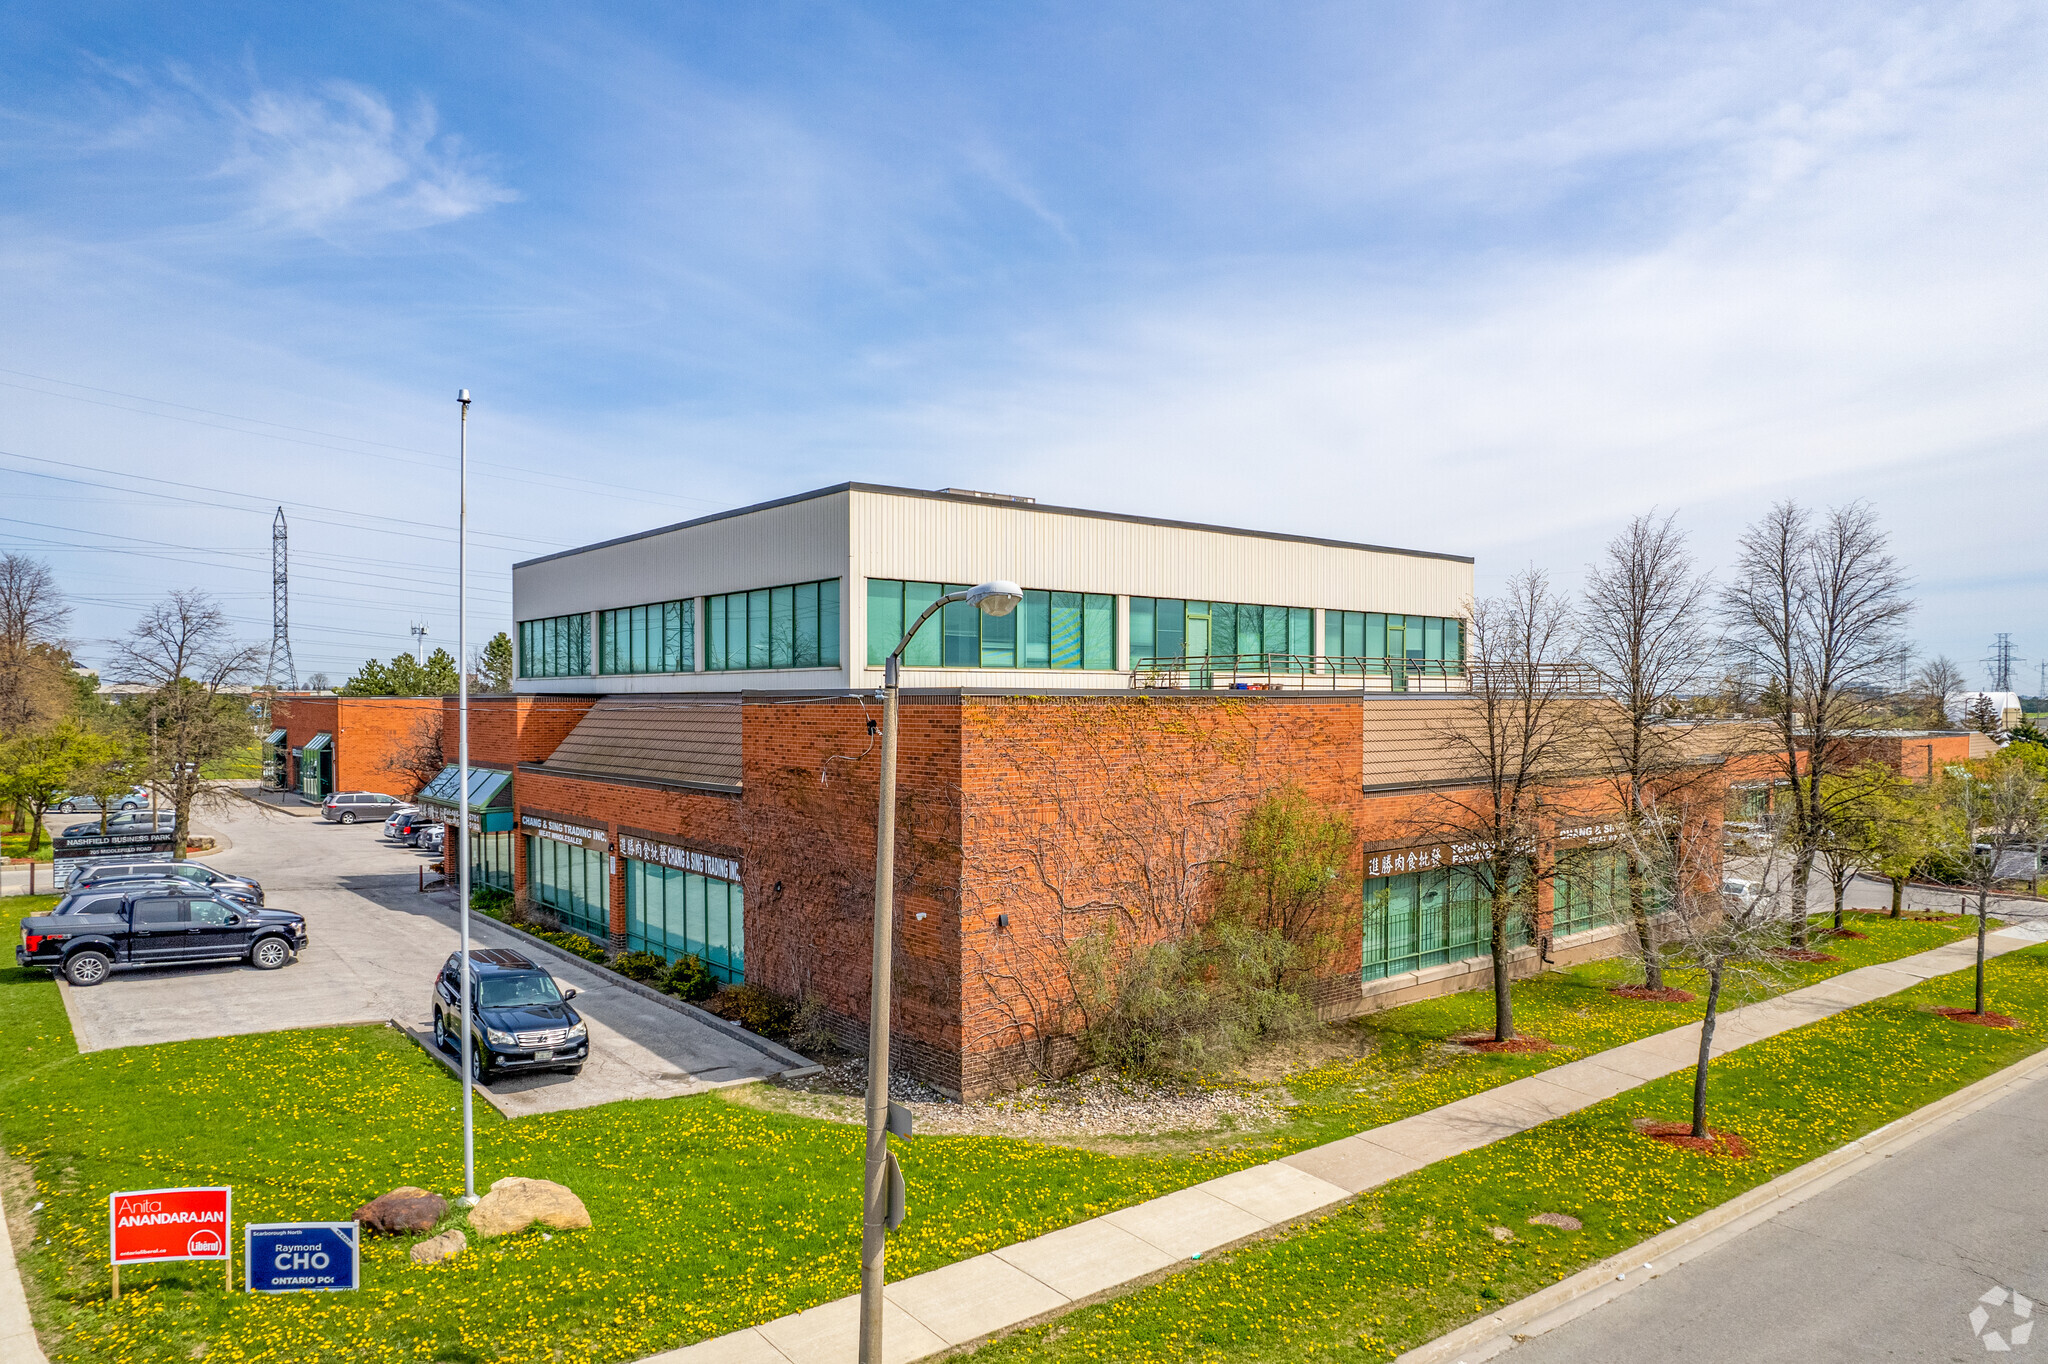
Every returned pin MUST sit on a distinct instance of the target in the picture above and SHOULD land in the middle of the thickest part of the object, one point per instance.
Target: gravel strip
(1098, 1104)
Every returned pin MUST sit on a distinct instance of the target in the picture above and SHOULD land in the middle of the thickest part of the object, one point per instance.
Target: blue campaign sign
(302, 1257)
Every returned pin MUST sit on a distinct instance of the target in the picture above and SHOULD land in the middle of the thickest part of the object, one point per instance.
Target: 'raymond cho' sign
(168, 1224)
(302, 1257)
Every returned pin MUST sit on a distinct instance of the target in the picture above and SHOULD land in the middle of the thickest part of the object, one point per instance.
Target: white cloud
(345, 159)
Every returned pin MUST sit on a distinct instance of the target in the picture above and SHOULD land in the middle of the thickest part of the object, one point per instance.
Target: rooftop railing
(1328, 672)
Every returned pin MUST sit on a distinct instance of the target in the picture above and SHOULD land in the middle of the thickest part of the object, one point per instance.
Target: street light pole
(996, 598)
(460, 843)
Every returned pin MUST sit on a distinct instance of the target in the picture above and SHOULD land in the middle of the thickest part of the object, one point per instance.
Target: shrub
(574, 942)
(810, 1031)
(646, 967)
(690, 978)
(492, 901)
(757, 1009)
(1185, 1007)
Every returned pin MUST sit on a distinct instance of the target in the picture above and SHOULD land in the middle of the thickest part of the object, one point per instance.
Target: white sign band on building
(561, 831)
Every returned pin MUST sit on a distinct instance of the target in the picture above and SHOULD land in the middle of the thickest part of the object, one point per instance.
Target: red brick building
(693, 756)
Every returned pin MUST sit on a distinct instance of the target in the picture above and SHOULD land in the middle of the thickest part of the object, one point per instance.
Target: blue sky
(1472, 277)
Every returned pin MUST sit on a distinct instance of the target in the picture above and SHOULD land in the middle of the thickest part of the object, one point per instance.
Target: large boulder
(446, 1246)
(516, 1204)
(404, 1211)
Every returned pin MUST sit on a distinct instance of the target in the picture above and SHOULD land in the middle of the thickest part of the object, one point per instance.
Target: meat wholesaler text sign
(168, 1224)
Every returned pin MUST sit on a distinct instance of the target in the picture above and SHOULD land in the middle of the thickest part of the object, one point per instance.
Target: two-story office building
(1072, 768)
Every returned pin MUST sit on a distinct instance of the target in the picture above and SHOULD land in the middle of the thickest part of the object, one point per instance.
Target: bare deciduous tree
(1509, 751)
(1644, 628)
(1726, 936)
(420, 756)
(32, 618)
(1937, 683)
(183, 650)
(1816, 606)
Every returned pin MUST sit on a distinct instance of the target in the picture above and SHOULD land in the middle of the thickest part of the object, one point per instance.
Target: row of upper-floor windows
(797, 626)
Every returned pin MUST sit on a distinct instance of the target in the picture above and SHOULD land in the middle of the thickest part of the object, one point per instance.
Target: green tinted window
(775, 627)
(1047, 630)
(660, 638)
(558, 646)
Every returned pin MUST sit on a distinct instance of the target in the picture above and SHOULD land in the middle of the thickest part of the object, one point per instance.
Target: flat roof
(938, 495)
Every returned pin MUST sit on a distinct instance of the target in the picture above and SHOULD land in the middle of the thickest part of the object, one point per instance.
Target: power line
(229, 492)
(355, 441)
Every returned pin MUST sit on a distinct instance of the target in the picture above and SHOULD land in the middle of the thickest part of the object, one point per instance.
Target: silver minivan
(356, 807)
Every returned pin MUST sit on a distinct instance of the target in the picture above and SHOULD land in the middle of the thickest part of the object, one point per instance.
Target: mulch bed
(1984, 1020)
(1842, 933)
(1665, 995)
(1680, 1134)
(1480, 1041)
(1802, 954)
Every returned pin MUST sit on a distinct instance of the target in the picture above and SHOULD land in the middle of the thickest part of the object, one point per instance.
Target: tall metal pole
(460, 843)
(874, 1204)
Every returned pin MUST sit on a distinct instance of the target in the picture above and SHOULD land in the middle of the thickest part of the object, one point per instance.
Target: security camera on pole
(458, 846)
(882, 1196)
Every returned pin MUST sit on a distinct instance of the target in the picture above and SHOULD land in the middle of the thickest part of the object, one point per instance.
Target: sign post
(146, 1225)
(302, 1257)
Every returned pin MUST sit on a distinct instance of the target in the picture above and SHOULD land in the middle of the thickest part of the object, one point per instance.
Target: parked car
(134, 822)
(157, 925)
(349, 807)
(433, 838)
(416, 828)
(197, 873)
(137, 799)
(520, 1019)
(1738, 890)
(397, 818)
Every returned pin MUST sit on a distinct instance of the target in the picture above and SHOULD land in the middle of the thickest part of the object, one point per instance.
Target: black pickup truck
(170, 924)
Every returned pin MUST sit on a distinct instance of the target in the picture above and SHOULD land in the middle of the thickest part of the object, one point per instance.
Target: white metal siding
(941, 540)
(796, 543)
(859, 533)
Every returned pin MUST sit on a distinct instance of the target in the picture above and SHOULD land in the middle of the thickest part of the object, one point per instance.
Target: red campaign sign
(168, 1224)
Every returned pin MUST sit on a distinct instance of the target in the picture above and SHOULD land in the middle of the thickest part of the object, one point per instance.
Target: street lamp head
(997, 598)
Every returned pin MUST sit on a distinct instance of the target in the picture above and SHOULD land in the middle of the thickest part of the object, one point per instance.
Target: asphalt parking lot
(374, 946)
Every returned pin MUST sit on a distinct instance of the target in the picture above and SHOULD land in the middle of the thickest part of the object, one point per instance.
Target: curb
(791, 1062)
(1601, 1283)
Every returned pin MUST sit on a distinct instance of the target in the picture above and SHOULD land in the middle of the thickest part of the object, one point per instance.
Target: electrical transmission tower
(280, 673)
(2000, 663)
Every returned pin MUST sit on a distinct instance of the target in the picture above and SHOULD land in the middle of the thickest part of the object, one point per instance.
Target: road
(375, 945)
(1887, 1265)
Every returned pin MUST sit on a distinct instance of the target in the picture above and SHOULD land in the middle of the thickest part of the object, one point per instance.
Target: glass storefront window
(1426, 918)
(490, 860)
(673, 913)
(570, 880)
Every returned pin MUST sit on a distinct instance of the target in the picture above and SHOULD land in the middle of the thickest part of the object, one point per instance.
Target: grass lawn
(1415, 1258)
(710, 1214)
(16, 845)
(1406, 1068)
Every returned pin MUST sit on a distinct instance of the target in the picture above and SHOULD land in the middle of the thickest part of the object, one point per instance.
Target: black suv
(166, 924)
(521, 1019)
(101, 874)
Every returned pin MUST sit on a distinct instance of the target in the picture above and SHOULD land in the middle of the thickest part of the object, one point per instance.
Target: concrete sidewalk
(964, 1302)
